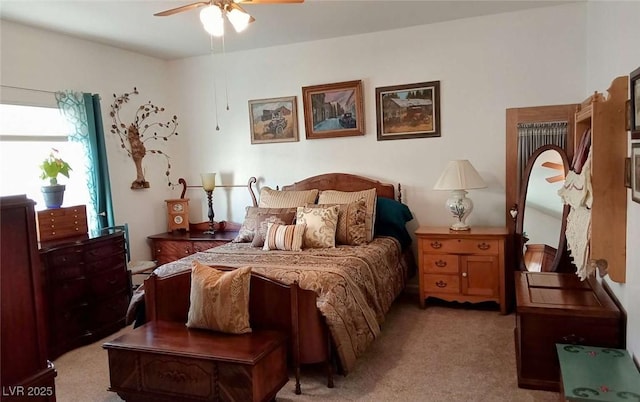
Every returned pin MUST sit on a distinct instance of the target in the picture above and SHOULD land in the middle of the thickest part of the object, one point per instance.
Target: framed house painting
(408, 111)
(634, 83)
(333, 110)
(273, 120)
(635, 171)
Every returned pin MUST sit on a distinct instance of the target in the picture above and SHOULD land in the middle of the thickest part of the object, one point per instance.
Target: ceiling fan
(212, 16)
(555, 166)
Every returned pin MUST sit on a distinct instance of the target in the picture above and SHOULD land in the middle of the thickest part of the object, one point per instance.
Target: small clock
(178, 214)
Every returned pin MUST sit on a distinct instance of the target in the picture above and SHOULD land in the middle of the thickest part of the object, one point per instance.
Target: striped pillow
(284, 237)
(286, 199)
(346, 197)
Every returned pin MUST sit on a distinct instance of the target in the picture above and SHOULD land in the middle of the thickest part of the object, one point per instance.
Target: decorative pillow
(246, 232)
(264, 219)
(284, 237)
(391, 219)
(321, 226)
(286, 199)
(345, 197)
(219, 300)
(350, 229)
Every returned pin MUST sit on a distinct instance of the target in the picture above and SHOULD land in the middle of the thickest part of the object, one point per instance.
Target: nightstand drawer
(440, 263)
(436, 283)
(461, 246)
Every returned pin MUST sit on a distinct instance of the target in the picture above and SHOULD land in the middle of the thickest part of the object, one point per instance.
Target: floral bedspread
(355, 284)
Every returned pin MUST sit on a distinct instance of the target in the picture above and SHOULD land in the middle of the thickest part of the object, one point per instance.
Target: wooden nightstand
(168, 247)
(462, 266)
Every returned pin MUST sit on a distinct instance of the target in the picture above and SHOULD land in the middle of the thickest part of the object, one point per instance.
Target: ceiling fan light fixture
(238, 18)
(212, 20)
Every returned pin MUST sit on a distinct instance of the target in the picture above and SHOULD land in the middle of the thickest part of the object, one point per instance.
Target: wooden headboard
(343, 182)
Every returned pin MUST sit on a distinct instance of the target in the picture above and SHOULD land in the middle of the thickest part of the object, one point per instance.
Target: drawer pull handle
(441, 264)
(573, 339)
(464, 274)
(186, 251)
(441, 284)
(484, 246)
(436, 244)
(113, 282)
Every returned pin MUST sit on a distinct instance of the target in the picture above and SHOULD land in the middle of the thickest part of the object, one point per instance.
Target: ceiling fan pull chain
(224, 70)
(215, 91)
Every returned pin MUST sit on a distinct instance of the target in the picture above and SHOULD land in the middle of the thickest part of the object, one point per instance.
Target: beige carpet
(441, 353)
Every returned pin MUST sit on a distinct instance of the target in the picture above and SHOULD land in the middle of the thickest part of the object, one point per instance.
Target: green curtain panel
(82, 110)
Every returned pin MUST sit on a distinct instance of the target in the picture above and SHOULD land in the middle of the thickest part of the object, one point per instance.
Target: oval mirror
(541, 218)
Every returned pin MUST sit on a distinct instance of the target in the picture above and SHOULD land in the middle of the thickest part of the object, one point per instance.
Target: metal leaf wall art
(145, 127)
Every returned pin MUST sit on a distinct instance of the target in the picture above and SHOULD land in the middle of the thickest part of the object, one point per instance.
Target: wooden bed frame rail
(272, 305)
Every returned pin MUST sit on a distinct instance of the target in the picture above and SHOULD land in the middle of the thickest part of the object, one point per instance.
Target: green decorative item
(50, 168)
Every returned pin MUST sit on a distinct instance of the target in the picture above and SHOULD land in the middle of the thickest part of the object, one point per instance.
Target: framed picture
(408, 111)
(635, 171)
(333, 110)
(627, 172)
(634, 81)
(273, 120)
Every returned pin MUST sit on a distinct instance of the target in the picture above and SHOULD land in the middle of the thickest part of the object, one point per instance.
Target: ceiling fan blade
(553, 165)
(267, 1)
(181, 9)
(556, 178)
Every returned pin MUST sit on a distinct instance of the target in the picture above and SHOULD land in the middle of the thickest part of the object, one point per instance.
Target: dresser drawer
(70, 293)
(198, 246)
(59, 223)
(109, 311)
(436, 283)
(461, 246)
(102, 250)
(108, 283)
(109, 263)
(440, 263)
(69, 323)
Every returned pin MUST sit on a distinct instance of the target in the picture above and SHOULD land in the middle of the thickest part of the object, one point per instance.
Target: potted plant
(50, 168)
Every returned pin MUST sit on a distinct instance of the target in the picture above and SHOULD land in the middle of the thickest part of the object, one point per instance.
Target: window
(27, 134)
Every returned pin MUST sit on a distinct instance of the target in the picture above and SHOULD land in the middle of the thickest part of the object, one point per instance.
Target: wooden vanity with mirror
(552, 304)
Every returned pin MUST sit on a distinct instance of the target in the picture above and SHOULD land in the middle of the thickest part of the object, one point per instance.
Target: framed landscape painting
(273, 120)
(333, 110)
(634, 81)
(408, 111)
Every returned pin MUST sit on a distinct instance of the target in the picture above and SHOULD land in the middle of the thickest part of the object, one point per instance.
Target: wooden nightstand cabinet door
(465, 266)
(480, 275)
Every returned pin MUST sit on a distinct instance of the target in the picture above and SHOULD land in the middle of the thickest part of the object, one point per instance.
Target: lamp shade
(208, 181)
(211, 18)
(459, 175)
(238, 18)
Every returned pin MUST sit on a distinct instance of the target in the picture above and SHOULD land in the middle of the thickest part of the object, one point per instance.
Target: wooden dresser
(25, 372)
(168, 247)
(462, 266)
(87, 289)
(559, 308)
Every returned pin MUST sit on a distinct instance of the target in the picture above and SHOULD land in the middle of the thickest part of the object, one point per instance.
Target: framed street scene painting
(408, 111)
(273, 120)
(333, 110)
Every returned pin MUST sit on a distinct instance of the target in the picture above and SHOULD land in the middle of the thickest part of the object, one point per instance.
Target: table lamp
(209, 184)
(459, 176)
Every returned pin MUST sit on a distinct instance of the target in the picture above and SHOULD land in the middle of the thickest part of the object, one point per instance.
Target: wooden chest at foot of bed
(163, 361)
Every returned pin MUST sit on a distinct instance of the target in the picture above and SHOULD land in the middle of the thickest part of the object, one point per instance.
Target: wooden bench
(166, 361)
(272, 305)
(597, 374)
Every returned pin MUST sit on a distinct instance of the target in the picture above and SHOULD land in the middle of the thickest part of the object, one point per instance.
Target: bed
(344, 291)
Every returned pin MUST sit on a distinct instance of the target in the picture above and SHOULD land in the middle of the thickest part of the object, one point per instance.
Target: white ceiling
(131, 25)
